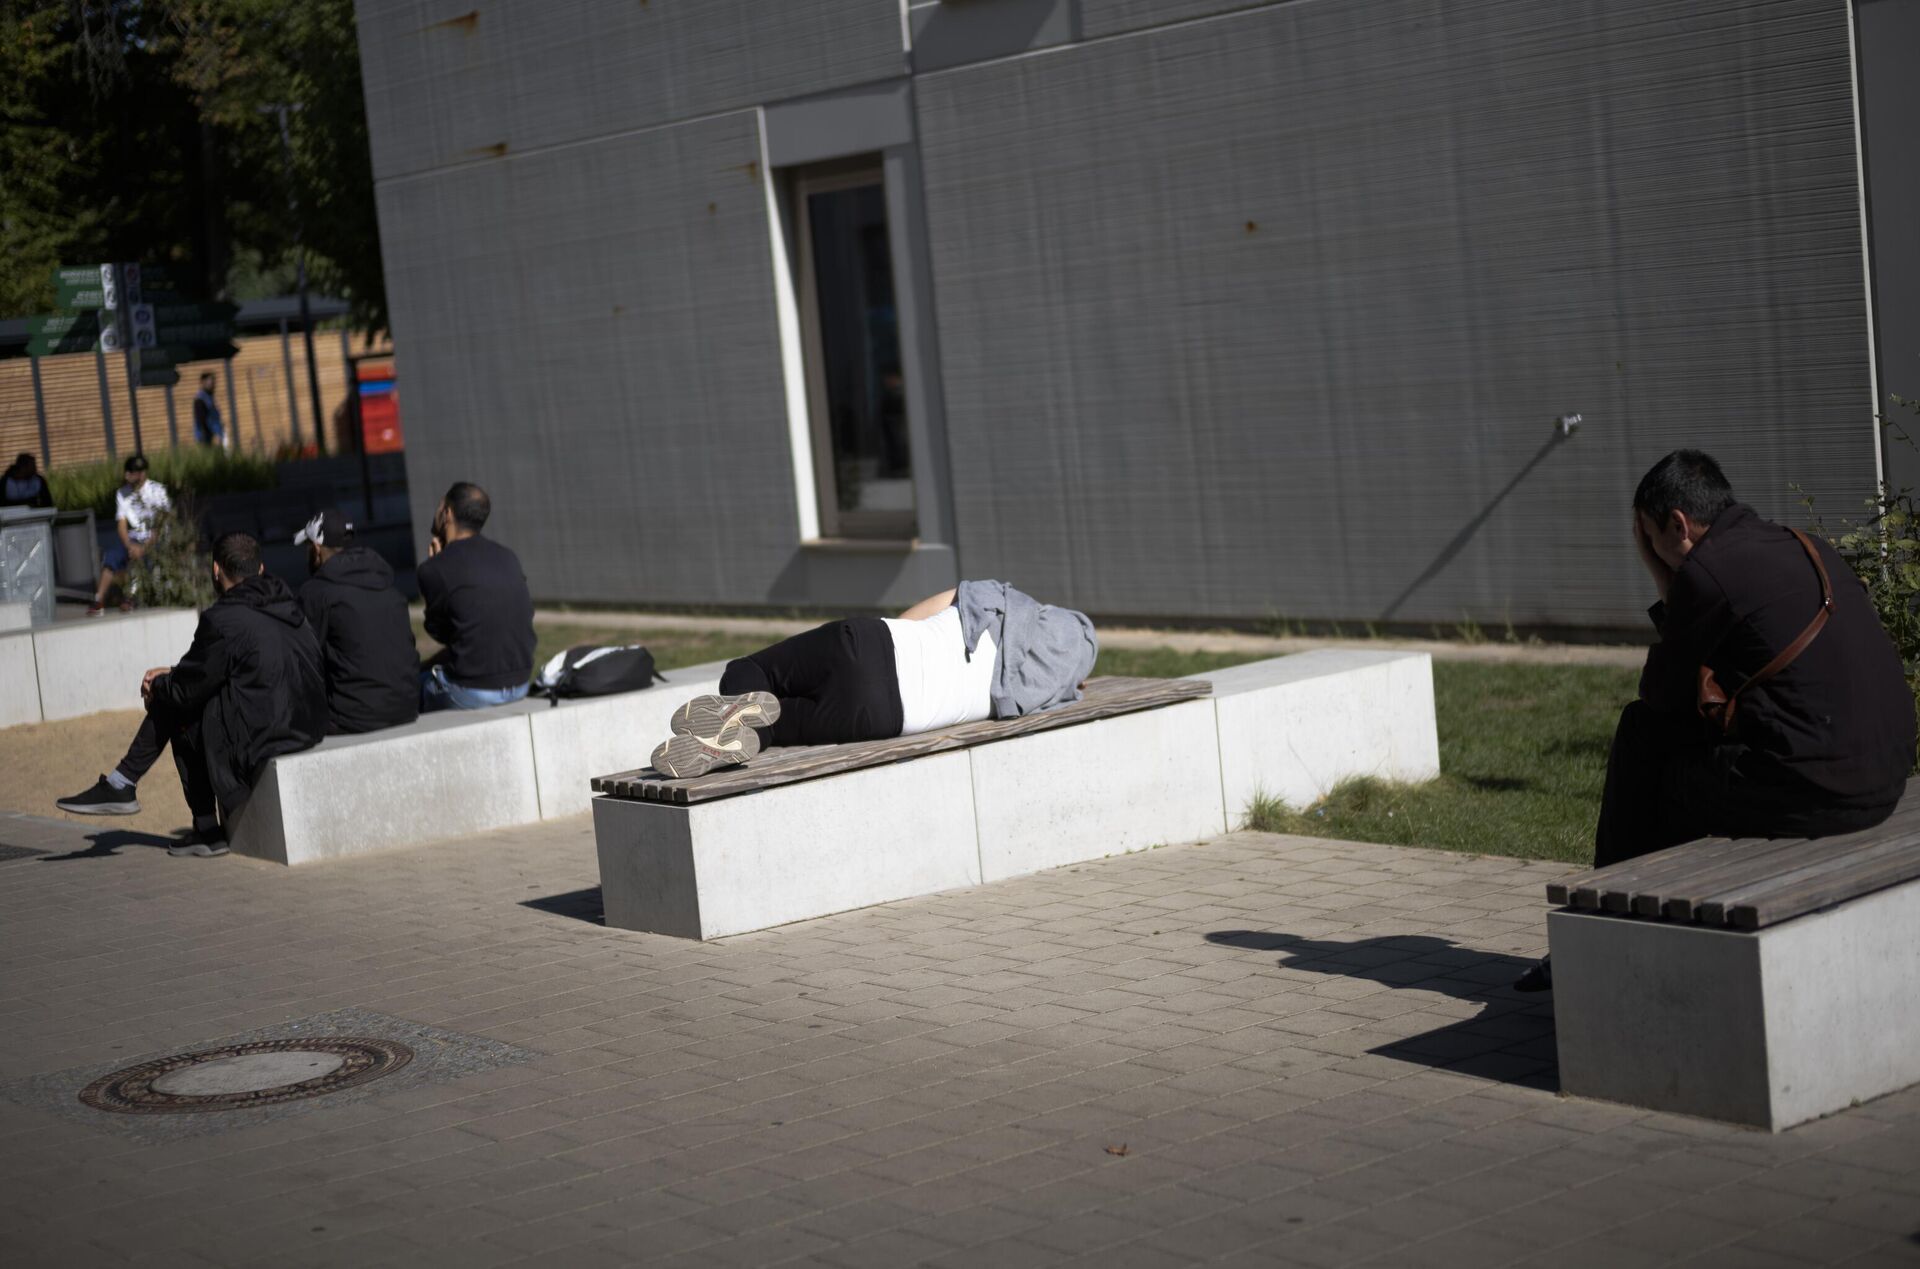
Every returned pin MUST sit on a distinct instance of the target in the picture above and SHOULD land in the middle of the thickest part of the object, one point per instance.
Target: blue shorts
(114, 558)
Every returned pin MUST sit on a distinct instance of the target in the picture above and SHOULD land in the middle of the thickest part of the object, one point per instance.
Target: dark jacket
(479, 607)
(41, 496)
(1839, 721)
(252, 679)
(367, 657)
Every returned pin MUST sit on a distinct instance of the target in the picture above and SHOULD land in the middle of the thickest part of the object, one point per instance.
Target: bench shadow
(107, 844)
(582, 905)
(1510, 1040)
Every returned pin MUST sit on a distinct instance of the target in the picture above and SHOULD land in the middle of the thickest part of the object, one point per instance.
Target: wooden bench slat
(1105, 697)
(1750, 883)
(1689, 899)
(1820, 864)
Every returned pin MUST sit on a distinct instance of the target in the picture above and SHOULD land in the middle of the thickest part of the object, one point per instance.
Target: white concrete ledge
(83, 667)
(1181, 773)
(1770, 1028)
(1296, 726)
(454, 773)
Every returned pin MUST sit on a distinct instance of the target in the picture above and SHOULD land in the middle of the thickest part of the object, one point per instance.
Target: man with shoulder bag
(1773, 704)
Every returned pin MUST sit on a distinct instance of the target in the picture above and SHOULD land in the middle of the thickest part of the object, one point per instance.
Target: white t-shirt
(939, 685)
(138, 507)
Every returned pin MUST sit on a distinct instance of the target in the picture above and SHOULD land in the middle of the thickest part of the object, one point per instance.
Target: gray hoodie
(1045, 651)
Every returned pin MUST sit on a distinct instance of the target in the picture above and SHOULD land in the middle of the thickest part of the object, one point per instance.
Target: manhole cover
(263, 1073)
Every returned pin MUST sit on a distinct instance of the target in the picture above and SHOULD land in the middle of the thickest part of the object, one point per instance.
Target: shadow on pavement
(1510, 1040)
(581, 905)
(106, 845)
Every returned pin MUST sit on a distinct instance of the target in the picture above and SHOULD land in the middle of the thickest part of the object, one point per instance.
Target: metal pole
(300, 267)
(173, 421)
(286, 365)
(233, 411)
(40, 413)
(133, 398)
(106, 400)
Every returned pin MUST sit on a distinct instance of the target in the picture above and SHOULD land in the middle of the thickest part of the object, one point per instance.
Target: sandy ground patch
(43, 761)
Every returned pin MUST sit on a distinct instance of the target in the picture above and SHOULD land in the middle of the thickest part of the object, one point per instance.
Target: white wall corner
(793, 367)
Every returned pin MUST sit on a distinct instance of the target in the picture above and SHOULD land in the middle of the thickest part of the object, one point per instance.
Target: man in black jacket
(248, 689)
(367, 657)
(1823, 746)
(478, 606)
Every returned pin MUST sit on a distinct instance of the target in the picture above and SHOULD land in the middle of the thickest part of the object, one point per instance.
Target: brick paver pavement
(1261, 1050)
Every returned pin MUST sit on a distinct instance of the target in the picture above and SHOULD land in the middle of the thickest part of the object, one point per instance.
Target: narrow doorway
(863, 461)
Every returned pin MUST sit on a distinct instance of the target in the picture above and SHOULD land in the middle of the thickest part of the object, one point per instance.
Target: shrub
(198, 471)
(1883, 550)
(174, 571)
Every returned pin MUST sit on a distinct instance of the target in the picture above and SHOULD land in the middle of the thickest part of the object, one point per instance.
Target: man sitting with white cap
(367, 653)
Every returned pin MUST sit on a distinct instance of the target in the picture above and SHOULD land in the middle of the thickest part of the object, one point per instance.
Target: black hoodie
(252, 679)
(367, 654)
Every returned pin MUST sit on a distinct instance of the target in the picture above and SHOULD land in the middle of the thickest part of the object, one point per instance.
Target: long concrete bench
(82, 667)
(1762, 982)
(804, 833)
(453, 774)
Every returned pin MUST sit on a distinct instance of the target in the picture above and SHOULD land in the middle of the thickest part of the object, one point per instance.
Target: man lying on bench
(983, 650)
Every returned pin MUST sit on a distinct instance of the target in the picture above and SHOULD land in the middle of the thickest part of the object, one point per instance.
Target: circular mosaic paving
(239, 1076)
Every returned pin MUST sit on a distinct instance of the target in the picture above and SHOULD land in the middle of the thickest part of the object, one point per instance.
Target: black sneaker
(200, 843)
(102, 799)
(1538, 978)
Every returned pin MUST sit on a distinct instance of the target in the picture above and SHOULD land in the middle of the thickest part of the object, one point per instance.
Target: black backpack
(593, 670)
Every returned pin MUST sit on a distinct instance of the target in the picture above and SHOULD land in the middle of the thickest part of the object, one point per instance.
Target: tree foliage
(139, 130)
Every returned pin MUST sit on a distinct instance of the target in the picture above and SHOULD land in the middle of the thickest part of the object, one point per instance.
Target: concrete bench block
(19, 681)
(89, 666)
(580, 739)
(1296, 726)
(16, 614)
(448, 775)
(1770, 1028)
(788, 853)
(1102, 788)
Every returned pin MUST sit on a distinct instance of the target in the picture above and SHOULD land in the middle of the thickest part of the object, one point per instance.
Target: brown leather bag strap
(1807, 636)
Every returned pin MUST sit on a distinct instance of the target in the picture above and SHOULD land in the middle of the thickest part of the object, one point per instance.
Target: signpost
(130, 308)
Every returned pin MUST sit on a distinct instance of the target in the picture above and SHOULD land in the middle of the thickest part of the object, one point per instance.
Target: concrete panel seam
(558, 147)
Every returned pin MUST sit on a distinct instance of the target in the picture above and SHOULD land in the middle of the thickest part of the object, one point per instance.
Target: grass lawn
(1523, 752)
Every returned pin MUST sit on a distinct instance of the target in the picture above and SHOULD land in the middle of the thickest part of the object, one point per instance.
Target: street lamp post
(281, 111)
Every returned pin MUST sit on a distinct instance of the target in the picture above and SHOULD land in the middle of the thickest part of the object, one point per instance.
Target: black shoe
(102, 799)
(201, 843)
(1539, 978)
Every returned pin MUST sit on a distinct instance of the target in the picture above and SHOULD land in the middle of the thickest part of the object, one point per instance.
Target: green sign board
(81, 295)
(158, 376)
(200, 333)
(76, 275)
(61, 333)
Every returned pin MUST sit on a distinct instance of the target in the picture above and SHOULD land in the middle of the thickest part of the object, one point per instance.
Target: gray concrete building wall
(1214, 308)
(1270, 313)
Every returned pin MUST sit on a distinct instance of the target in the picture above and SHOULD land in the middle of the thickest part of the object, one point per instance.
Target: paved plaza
(1258, 1051)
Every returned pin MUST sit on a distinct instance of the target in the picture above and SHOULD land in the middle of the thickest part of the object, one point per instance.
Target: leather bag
(1718, 706)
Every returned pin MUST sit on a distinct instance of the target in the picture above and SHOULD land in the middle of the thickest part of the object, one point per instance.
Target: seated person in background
(24, 486)
(1822, 745)
(135, 504)
(478, 607)
(984, 650)
(247, 690)
(367, 657)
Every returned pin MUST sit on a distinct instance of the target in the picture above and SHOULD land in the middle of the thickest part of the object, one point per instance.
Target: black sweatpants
(1667, 783)
(160, 730)
(836, 683)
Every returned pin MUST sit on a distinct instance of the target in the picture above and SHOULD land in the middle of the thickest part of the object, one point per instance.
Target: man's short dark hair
(23, 461)
(237, 554)
(1686, 480)
(469, 506)
(136, 462)
(205, 375)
